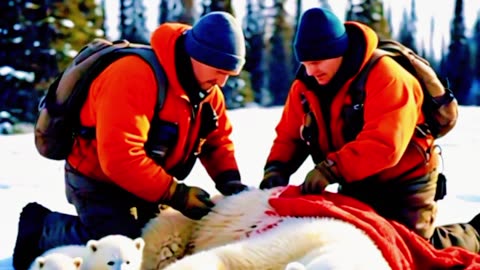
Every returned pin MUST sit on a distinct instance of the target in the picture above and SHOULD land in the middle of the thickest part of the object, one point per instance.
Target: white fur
(56, 261)
(166, 239)
(244, 232)
(112, 252)
(319, 243)
(234, 218)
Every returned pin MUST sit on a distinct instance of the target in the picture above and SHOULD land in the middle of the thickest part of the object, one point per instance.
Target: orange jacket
(120, 106)
(386, 148)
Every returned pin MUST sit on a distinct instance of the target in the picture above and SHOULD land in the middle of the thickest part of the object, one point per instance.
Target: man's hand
(273, 179)
(192, 202)
(319, 178)
(315, 182)
(231, 187)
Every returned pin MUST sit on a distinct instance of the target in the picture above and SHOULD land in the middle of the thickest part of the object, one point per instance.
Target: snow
(25, 176)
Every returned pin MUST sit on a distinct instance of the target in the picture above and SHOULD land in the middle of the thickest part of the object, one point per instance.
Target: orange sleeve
(125, 97)
(392, 110)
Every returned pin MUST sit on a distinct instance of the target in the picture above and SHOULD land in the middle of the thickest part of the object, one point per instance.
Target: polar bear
(56, 261)
(170, 236)
(244, 232)
(325, 242)
(112, 252)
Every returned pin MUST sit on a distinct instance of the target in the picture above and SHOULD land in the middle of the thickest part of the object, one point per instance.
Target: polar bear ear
(92, 245)
(77, 261)
(139, 243)
(41, 262)
(295, 266)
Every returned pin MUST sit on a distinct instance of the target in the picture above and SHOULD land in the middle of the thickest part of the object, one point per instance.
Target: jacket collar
(184, 71)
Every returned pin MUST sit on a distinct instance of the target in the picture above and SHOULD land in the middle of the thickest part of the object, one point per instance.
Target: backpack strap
(353, 114)
(148, 55)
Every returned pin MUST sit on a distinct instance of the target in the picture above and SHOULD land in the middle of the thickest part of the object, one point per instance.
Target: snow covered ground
(25, 176)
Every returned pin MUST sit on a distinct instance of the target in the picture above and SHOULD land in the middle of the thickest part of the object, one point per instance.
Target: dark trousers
(413, 204)
(102, 208)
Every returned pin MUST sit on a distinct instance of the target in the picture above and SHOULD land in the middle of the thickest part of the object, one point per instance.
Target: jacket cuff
(274, 166)
(227, 176)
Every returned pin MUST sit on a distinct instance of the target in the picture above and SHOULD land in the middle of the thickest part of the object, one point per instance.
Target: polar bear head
(56, 261)
(114, 252)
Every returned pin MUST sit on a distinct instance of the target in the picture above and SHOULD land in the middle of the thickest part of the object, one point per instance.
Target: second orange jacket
(386, 148)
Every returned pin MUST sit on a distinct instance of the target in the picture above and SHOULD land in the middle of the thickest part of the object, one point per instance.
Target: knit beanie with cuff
(217, 40)
(320, 35)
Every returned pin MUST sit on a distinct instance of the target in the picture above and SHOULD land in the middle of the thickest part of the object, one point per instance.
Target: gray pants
(102, 209)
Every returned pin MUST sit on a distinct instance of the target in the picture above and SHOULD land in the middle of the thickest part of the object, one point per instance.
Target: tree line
(39, 38)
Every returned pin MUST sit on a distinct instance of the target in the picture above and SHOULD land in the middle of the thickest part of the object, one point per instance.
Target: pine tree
(476, 38)
(182, 11)
(298, 15)
(476, 60)
(27, 61)
(369, 12)
(457, 67)
(431, 56)
(132, 22)
(279, 50)
(409, 29)
(217, 5)
(254, 30)
(76, 22)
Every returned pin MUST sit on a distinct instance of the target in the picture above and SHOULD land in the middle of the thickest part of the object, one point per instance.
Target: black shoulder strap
(357, 88)
(353, 115)
(148, 55)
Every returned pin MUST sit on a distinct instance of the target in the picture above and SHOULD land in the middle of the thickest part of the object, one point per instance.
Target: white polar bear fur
(242, 233)
(234, 218)
(112, 252)
(166, 239)
(327, 243)
(56, 261)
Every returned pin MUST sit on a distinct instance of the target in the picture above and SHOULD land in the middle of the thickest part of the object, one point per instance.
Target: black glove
(231, 187)
(192, 202)
(273, 178)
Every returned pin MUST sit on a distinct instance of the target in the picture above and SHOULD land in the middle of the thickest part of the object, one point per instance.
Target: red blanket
(402, 248)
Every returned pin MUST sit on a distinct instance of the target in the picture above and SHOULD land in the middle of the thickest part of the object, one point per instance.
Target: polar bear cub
(112, 252)
(56, 261)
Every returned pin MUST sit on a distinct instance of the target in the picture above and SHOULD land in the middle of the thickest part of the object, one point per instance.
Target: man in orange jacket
(387, 164)
(114, 184)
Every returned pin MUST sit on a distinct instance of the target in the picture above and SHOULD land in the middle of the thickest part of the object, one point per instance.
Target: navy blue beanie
(216, 39)
(320, 35)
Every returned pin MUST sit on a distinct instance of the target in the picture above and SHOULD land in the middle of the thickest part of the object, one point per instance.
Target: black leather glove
(319, 178)
(273, 178)
(231, 187)
(192, 202)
